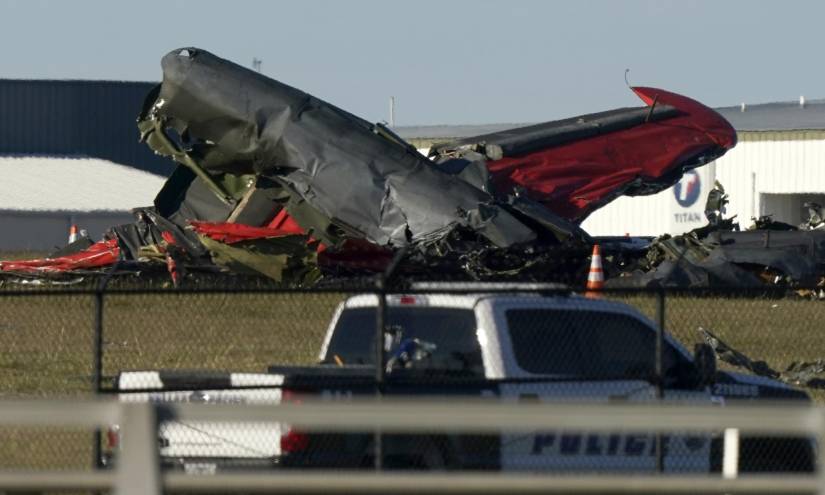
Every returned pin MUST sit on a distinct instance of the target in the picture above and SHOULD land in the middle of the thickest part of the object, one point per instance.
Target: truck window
(452, 330)
(588, 344)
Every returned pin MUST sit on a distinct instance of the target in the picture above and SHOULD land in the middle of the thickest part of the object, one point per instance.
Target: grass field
(48, 342)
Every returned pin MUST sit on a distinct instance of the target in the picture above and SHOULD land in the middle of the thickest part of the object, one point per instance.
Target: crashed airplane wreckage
(275, 182)
(721, 255)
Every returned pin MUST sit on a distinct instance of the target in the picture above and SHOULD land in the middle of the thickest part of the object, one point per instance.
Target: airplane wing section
(577, 165)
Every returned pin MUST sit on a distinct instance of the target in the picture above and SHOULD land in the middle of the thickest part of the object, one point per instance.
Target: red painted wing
(576, 178)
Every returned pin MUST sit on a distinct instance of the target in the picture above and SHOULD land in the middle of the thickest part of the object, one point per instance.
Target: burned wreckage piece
(730, 258)
(721, 255)
(798, 373)
(274, 181)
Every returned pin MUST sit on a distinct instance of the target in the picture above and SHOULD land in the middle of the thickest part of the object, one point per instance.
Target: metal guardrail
(138, 468)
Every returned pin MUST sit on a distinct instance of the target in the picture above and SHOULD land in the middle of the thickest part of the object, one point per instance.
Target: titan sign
(688, 189)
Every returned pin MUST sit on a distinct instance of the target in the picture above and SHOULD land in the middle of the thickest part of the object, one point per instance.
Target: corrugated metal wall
(791, 162)
(92, 118)
(786, 162)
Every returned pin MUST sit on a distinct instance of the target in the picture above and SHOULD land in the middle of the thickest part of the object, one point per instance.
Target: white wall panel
(772, 162)
(626, 215)
(674, 210)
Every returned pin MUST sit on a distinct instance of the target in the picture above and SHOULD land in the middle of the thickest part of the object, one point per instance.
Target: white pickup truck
(516, 347)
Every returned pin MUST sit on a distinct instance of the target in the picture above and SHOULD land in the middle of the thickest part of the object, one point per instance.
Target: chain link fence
(233, 331)
(263, 345)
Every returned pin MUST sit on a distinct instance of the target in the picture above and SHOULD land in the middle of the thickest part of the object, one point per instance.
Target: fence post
(820, 444)
(660, 380)
(97, 364)
(97, 370)
(138, 468)
(380, 359)
(380, 326)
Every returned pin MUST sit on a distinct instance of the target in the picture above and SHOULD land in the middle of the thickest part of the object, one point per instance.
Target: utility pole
(392, 111)
(256, 63)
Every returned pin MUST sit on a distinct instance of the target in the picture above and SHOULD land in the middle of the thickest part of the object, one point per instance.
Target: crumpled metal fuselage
(236, 121)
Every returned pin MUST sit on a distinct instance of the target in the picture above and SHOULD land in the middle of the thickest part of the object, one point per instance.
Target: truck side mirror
(704, 357)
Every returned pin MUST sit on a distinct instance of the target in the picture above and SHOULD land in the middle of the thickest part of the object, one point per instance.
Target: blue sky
(446, 62)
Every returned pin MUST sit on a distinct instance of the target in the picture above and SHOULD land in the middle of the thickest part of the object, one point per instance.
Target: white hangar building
(777, 165)
(42, 196)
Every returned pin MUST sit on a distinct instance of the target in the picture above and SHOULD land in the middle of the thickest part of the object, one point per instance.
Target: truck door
(590, 356)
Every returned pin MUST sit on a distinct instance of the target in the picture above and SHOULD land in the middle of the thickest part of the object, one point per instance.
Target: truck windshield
(580, 343)
(452, 330)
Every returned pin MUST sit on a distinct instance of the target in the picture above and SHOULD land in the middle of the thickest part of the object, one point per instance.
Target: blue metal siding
(92, 118)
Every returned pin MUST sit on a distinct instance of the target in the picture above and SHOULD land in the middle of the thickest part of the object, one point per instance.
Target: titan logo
(688, 189)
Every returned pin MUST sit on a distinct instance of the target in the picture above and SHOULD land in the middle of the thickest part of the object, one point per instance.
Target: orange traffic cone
(595, 279)
(73, 233)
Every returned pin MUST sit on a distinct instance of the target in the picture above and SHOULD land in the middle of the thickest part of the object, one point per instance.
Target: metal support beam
(433, 415)
(335, 482)
(138, 468)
